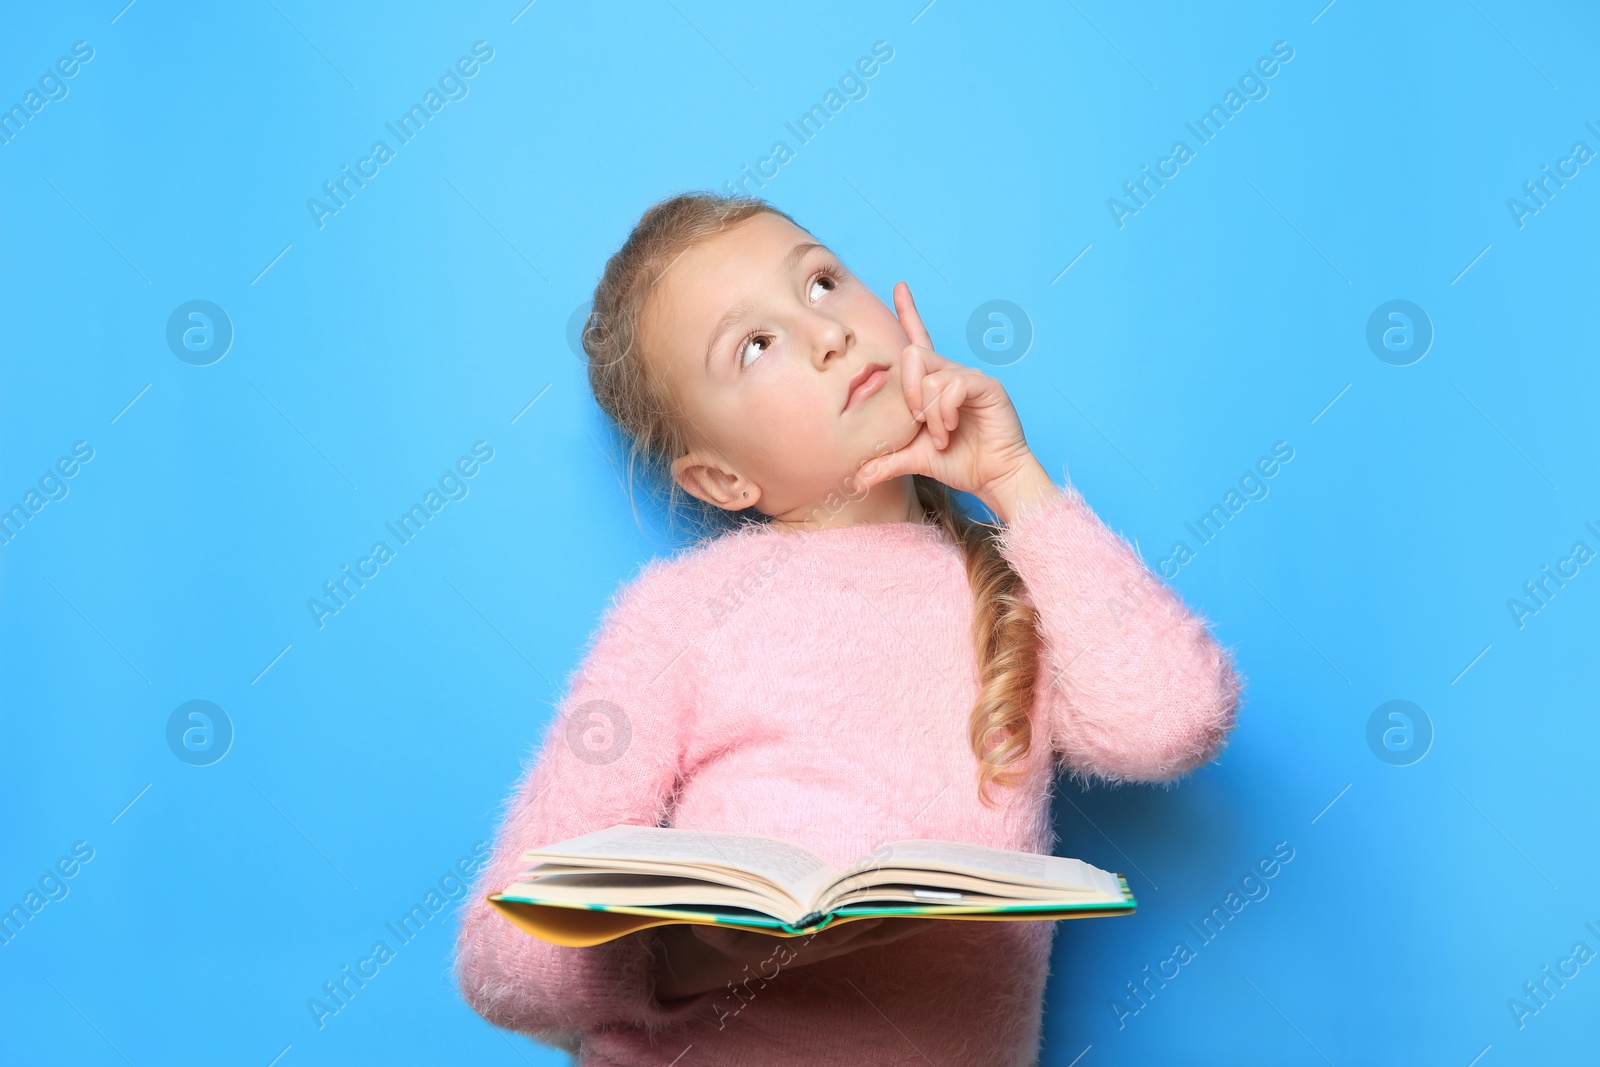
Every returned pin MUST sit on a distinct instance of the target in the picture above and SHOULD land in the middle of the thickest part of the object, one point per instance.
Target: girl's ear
(704, 478)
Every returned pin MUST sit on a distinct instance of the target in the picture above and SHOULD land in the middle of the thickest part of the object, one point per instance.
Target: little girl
(851, 662)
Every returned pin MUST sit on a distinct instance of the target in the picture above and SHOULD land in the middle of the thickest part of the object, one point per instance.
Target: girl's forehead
(715, 275)
(757, 243)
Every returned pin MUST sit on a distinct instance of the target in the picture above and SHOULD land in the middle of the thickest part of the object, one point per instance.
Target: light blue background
(1227, 315)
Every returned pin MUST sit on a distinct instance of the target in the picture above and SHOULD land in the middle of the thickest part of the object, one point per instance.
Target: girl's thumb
(880, 469)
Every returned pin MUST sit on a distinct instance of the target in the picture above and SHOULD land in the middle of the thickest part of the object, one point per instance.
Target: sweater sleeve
(1135, 686)
(610, 755)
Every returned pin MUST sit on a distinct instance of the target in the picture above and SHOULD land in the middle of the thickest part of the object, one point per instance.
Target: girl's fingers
(928, 404)
(950, 404)
(918, 363)
(913, 368)
(910, 320)
(943, 392)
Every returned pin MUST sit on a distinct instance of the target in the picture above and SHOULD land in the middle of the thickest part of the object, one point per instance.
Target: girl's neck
(892, 501)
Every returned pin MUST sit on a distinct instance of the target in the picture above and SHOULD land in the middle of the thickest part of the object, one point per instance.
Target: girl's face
(786, 367)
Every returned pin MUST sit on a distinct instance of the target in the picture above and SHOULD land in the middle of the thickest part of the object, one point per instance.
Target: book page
(998, 864)
(600, 888)
(949, 885)
(795, 867)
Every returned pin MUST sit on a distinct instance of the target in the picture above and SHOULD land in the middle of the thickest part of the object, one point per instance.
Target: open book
(600, 886)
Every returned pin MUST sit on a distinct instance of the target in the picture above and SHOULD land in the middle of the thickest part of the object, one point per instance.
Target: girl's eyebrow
(724, 324)
(738, 311)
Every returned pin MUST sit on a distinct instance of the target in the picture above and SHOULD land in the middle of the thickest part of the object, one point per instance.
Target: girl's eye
(828, 280)
(748, 353)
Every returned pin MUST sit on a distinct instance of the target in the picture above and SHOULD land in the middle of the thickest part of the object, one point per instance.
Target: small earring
(747, 492)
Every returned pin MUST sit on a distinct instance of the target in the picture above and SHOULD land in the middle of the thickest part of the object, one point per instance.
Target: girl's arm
(609, 756)
(1137, 689)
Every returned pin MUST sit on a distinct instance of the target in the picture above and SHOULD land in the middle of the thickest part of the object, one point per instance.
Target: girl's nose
(830, 341)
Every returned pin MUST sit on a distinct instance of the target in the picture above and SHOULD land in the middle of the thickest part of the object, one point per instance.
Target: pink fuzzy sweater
(816, 687)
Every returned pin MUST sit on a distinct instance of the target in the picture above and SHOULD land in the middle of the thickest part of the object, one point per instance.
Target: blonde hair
(639, 400)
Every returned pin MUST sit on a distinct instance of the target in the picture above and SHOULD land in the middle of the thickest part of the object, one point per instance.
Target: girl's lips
(867, 381)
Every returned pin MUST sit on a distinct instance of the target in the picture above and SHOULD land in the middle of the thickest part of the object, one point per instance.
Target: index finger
(910, 320)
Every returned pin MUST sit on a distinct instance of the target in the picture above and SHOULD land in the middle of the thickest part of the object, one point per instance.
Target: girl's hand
(698, 958)
(971, 438)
